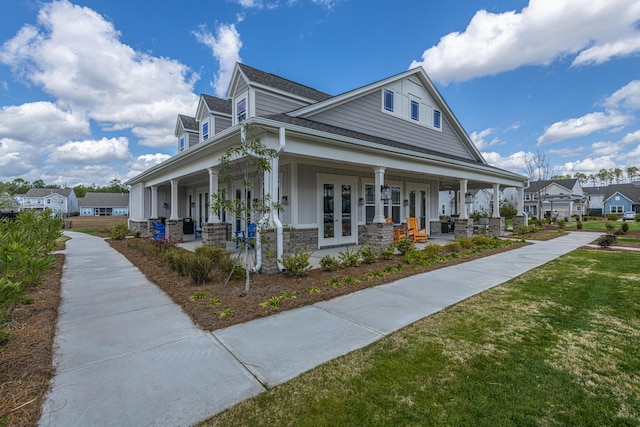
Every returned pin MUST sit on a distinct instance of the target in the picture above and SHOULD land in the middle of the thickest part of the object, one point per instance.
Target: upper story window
(437, 119)
(415, 110)
(205, 131)
(388, 100)
(241, 110)
(182, 144)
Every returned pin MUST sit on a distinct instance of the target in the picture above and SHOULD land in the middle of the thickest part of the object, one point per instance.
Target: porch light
(361, 201)
(406, 202)
(285, 200)
(165, 205)
(386, 193)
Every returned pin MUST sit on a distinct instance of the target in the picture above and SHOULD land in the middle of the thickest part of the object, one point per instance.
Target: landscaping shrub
(350, 257)
(221, 259)
(177, 261)
(296, 264)
(11, 295)
(388, 252)
(607, 240)
(612, 217)
(404, 246)
(637, 217)
(119, 231)
(624, 227)
(198, 268)
(561, 223)
(465, 242)
(579, 225)
(369, 255)
(329, 263)
(528, 229)
(608, 226)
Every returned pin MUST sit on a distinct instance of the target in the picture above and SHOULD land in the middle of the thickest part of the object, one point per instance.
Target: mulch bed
(26, 361)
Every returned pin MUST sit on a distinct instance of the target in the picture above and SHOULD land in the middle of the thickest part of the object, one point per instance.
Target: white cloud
(41, 123)
(539, 34)
(625, 97)
(514, 162)
(481, 139)
(583, 126)
(103, 151)
(225, 47)
(631, 138)
(588, 165)
(567, 152)
(141, 163)
(76, 55)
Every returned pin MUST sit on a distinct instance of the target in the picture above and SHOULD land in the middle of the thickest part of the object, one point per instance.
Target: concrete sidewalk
(127, 356)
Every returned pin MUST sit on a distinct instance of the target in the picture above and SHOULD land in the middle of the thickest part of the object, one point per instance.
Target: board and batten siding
(267, 104)
(365, 115)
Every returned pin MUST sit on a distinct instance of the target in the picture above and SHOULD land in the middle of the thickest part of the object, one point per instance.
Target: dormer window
(241, 110)
(205, 131)
(182, 144)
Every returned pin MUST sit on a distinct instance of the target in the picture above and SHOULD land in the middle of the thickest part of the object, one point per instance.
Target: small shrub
(612, 217)
(177, 261)
(624, 227)
(579, 225)
(198, 296)
(329, 263)
(618, 232)
(637, 217)
(607, 240)
(388, 252)
(453, 247)
(405, 245)
(273, 302)
(119, 231)
(369, 255)
(312, 290)
(390, 269)
(334, 283)
(287, 295)
(221, 259)
(377, 273)
(198, 268)
(238, 272)
(214, 301)
(349, 257)
(296, 264)
(351, 280)
(608, 226)
(226, 313)
(464, 242)
(561, 223)
(11, 295)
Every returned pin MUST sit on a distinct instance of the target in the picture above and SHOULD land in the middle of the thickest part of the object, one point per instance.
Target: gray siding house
(62, 201)
(104, 204)
(338, 156)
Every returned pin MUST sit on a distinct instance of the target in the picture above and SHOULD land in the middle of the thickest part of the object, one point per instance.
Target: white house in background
(346, 162)
(62, 201)
(561, 198)
(104, 204)
(594, 200)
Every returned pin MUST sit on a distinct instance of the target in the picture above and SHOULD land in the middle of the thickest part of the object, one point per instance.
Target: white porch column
(463, 199)
(174, 200)
(213, 189)
(379, 206)
(496, 201)
(520, 201)
(154, 201)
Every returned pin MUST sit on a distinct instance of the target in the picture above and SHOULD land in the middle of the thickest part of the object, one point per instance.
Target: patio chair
(247, 238)
(197, 232)
(398, 232)
(158, 230)
(415, 232)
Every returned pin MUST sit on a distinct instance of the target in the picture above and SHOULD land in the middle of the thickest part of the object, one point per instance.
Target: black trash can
(187, 226)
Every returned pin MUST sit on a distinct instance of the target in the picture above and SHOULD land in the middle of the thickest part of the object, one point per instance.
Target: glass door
(337, 221)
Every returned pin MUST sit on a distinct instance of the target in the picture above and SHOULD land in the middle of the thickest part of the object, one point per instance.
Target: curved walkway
(126, 355)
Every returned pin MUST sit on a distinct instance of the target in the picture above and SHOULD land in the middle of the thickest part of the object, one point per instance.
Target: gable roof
(43, 192)
(263, 78)
(630, 191)
(216, 104)
(188, 123)
(535, 186)
(594, 191)
(104, 200)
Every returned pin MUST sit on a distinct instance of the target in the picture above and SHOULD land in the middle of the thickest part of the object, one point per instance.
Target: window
(241, 110)
(436, 119)
(370, 202)
(616, 209)
(392, 207)
(182, 144)
(415, 110)
(205, 131)
(388, 100)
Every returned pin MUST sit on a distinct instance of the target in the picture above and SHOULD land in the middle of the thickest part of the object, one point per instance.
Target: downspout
(266, 180)
(275, 216)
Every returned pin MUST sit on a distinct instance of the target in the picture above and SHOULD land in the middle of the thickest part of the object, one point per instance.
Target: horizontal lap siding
(364, 115)
(222, 124)
(268, 104)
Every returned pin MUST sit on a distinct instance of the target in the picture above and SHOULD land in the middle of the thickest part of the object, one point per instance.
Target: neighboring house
(561, 198)
(62, 201)
(104, 204)
(621, 198)
(338, 157)
(594, 200)
(481, 201)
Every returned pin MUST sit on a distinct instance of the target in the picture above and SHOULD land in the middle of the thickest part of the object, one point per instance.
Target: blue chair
(197, 231)
(246, 238)
(158, 230)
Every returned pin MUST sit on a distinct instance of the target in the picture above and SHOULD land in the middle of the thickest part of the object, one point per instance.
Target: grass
(559, 345)
(600, 225)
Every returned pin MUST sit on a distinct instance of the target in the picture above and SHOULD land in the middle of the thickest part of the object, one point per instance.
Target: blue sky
(90, 89)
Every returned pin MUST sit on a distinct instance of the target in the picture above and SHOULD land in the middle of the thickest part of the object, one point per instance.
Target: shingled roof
(43, 192)
(188, 123)
(217, 104)
(535, 186)
(277, 82)
(630, 191)
(104, 200)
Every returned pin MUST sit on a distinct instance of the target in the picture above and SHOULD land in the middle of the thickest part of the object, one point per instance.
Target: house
(594, 200)
(621, 198)
(62, 201)
(104, 204)
(561, 198)
(345, 163)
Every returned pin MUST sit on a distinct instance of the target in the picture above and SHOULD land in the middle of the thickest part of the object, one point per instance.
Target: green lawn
(559, 345)
(601, 225)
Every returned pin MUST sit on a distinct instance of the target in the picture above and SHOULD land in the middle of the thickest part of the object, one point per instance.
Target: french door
(337, 216)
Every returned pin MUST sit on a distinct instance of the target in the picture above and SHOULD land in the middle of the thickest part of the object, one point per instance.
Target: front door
(338, 224)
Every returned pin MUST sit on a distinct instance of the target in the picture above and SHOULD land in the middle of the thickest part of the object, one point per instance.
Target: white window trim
(207, 122)
(402, 109)
(245, 96)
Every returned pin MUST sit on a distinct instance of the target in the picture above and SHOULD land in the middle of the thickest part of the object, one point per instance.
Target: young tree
(246, 162)
(537, 169)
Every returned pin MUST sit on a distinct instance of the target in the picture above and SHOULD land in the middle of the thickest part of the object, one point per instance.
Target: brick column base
(215, 234)
(141, 226)
(174, 230)
(464, 228)
(518, 221)
(378, 234)
(496, 226)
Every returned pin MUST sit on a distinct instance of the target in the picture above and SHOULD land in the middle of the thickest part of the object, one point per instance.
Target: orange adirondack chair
(415, 232)
(398, 232)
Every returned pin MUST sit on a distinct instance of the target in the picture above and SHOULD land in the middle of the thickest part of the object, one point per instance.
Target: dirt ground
(26, 360)
(88, 222)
